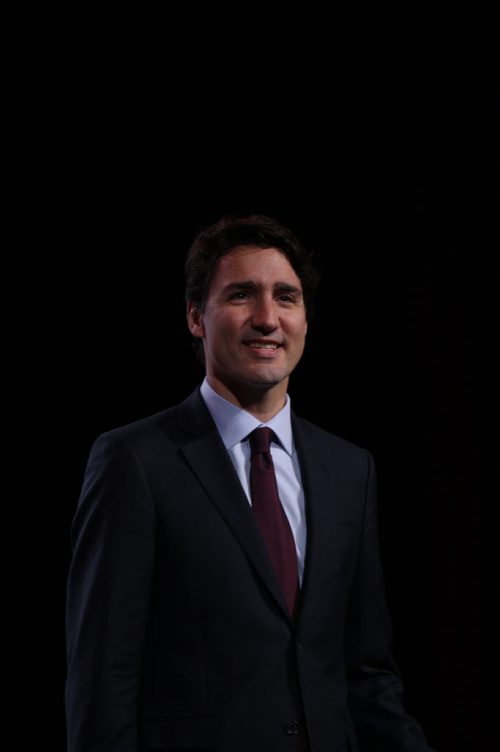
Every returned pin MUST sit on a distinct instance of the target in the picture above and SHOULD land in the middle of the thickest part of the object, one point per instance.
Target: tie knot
(260, 440)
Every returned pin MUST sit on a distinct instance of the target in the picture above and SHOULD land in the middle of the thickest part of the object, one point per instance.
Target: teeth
(261, 346)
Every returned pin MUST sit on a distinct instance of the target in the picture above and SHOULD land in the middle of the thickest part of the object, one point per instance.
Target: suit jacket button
(292, 728)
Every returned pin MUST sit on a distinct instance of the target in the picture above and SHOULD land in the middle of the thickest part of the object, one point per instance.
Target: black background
(383, 160)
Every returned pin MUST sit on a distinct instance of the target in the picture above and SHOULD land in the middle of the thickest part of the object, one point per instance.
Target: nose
(264, 315)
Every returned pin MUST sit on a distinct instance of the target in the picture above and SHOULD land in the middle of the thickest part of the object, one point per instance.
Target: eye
(238, 295)
(286, 298)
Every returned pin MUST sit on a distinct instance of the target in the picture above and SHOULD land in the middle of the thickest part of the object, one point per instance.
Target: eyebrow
(250, 285)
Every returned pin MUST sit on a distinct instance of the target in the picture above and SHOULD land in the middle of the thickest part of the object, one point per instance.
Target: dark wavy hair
(222, 236)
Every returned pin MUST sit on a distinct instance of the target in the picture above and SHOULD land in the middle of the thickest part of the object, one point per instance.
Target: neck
(263, 404)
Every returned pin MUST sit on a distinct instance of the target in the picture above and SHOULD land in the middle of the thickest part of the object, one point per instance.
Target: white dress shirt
(234, 426)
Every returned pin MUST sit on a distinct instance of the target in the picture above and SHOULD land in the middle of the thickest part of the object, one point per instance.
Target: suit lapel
(211, 464)
(317, 481)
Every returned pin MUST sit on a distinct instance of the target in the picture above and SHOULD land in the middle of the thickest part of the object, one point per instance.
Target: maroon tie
(270, 516)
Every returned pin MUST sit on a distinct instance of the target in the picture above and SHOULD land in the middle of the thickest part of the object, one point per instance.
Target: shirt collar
(234, 424)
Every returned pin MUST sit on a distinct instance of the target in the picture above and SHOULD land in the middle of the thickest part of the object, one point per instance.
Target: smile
(263, 345)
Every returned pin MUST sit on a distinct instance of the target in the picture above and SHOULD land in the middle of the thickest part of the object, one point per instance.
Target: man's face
(254, 322)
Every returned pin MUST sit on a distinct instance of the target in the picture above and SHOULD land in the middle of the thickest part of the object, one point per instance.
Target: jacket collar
(211, 464)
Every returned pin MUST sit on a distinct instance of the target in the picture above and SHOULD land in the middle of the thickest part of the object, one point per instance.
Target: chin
(264, 381)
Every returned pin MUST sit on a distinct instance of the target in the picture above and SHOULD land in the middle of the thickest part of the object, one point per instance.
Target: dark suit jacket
(178, 636)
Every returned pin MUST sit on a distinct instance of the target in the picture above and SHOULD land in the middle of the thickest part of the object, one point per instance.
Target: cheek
(222, 330)
(301, 339)
(300, 331)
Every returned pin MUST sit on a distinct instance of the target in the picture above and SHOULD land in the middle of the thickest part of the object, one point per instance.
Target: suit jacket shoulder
(175, 425)
(328, 446)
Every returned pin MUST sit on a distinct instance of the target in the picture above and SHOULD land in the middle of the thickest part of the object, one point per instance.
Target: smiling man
(253, 326)
(226, 591)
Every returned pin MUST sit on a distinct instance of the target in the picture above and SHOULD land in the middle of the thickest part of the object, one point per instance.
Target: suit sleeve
(109, 585)
(375, 688)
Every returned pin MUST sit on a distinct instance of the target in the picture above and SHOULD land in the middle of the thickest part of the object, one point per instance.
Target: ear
(195, 320)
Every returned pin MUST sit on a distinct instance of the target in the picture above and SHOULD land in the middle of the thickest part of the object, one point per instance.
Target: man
(226, 591)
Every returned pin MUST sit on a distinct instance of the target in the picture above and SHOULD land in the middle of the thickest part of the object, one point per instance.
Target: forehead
(250, 262)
